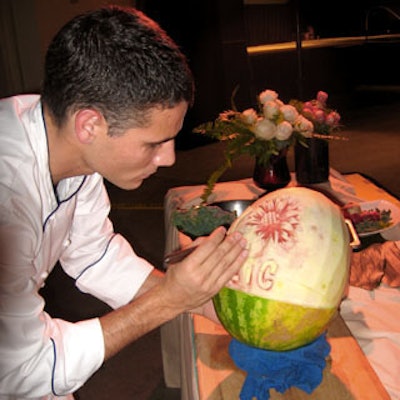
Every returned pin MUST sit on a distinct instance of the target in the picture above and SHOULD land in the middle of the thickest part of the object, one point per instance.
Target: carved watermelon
(289, 288)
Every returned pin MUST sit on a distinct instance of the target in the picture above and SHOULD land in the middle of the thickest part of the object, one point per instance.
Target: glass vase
(312, 162)
(275, 175)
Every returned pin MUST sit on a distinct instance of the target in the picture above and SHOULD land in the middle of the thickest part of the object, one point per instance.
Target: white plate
(381, 205)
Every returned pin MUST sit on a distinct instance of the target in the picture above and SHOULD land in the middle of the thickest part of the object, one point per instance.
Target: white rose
(284, 130)
(267, 95)
(271, 109)
(289, 113)
(264, 129)
(249, 116)
(304, 126)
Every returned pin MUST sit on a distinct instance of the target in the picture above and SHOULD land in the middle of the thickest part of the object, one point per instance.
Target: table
(195, 350)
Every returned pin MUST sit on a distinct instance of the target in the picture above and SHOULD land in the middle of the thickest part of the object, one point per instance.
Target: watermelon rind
(269, 324)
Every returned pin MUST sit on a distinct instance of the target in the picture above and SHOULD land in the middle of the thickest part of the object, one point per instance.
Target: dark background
(214, 34)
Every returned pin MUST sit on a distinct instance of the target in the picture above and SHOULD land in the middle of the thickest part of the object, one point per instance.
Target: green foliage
(240, 140)
(202, 220)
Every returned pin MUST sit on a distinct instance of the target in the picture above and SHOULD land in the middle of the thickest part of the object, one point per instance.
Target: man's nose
(166, 155)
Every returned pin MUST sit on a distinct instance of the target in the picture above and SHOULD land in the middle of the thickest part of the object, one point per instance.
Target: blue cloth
(280, 370)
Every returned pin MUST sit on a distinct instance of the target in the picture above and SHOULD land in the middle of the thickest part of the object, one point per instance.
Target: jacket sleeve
(101, 261)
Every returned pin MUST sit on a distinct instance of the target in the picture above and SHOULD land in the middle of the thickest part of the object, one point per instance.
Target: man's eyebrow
(166, 140)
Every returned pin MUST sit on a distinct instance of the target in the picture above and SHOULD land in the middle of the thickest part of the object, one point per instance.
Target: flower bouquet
(325, 120)
(312, 154)
(261, 133)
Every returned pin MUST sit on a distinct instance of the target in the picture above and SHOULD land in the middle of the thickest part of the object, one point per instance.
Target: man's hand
(187, 285)
(193, 281)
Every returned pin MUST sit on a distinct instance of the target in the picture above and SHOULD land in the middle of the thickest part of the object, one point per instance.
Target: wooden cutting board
(347, 375)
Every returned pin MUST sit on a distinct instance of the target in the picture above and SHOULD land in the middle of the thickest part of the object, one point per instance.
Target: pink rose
(319, 116)
(333, 118)
(322, 97)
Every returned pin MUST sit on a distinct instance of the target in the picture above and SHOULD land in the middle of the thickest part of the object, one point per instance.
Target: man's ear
(88, 124)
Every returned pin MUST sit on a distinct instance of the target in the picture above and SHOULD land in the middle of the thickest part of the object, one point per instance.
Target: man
(114, 96)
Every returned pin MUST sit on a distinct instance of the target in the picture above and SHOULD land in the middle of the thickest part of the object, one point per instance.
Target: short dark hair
(118, 61)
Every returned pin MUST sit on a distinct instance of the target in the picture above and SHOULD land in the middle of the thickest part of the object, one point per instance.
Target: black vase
(275, 175)
(312, 162)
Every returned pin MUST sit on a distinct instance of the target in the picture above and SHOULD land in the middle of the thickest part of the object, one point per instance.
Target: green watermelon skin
(269, 324)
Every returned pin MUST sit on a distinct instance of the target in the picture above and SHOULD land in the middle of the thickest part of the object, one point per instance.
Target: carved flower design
(277, 221)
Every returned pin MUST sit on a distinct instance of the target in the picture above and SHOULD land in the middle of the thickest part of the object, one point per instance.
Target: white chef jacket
(42, 357)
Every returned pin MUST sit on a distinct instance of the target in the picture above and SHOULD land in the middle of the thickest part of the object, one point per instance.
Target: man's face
(126, 160)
